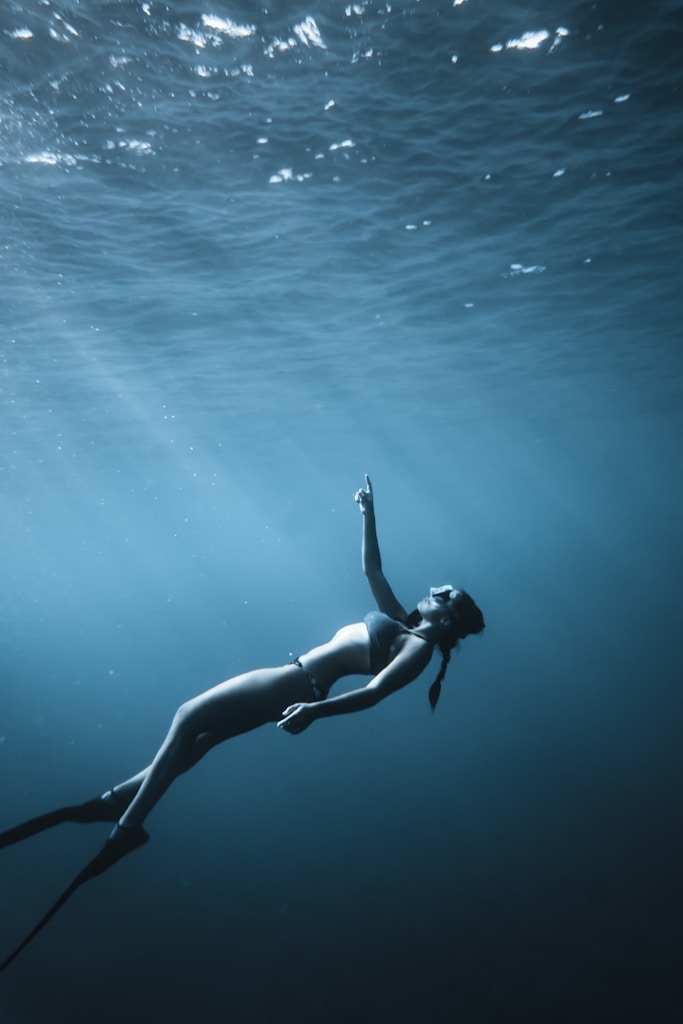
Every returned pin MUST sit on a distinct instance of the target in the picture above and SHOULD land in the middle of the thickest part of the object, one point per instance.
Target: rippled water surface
(249, 254)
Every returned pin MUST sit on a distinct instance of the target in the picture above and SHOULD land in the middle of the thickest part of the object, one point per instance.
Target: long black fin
(90, 811)
(112, 851)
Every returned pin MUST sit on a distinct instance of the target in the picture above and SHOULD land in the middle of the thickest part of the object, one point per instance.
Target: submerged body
(292, 695)
(392, 646)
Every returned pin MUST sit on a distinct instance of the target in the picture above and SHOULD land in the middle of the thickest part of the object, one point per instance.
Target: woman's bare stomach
(346, 654)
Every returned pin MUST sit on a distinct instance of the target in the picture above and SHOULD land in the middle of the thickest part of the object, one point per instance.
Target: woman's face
(440, 603)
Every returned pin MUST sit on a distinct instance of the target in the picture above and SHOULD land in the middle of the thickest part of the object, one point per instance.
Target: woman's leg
(233, 707)
(227, 710)
(123, 793)
(177, 754)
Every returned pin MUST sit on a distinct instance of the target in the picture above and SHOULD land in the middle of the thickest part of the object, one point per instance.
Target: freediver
(390, 644)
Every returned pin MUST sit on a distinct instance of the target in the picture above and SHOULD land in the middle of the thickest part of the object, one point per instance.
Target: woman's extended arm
(405, 667)
(384, 596)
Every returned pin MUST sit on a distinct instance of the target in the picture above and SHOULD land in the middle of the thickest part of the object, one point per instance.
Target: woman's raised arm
(384, 596)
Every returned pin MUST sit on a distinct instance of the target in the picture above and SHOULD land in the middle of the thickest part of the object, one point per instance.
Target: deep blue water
(248, 255)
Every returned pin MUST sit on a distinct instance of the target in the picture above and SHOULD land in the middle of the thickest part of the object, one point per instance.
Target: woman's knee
(186, 725)
(200, 746)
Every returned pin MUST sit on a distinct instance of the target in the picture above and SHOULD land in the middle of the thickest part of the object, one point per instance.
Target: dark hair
(466, 618)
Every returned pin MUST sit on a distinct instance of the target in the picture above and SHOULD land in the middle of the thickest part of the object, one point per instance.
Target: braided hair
(466, 618)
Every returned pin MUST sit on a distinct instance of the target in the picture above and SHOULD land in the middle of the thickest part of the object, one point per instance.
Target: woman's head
(460, 617)
(466, 614)
(454, 610)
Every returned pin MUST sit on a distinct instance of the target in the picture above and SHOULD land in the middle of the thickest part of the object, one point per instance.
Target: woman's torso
(362, 648)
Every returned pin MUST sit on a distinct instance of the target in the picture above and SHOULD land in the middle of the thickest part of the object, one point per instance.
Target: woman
(390, 645)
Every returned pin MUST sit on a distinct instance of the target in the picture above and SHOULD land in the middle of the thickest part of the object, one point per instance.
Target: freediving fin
(99, 809)
(121, 842)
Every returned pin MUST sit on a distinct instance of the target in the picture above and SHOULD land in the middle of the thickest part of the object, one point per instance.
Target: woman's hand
(297, 717)
(364, 496)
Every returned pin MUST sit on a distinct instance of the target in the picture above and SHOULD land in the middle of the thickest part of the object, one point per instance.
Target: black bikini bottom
(318, 692)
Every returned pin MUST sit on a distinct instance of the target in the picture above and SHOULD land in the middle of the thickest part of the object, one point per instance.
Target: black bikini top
(383, 630)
